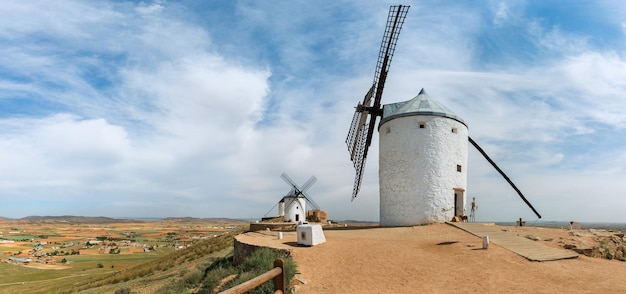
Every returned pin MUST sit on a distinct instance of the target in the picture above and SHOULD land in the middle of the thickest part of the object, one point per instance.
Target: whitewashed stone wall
(418, 169)
(294, 207)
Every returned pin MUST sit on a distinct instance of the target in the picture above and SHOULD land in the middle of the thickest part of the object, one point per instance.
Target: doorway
(459, 202)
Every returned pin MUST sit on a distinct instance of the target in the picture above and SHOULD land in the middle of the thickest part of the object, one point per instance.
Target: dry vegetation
(205, 267)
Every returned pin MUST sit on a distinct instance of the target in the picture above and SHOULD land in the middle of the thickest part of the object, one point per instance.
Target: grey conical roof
(422, 104)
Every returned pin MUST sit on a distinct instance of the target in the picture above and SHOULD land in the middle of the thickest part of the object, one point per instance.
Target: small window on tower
(387, 130)
(458, 168)
(454, 130)
(422, 125)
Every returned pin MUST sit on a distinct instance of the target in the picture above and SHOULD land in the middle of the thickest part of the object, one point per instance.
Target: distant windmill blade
(297, 191)
(291, 200)
(271, 209)
(310, 200)
(289, 181)
(503, 175)
(309, 183)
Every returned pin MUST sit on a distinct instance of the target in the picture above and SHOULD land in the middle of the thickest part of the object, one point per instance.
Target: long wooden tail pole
(503, 175)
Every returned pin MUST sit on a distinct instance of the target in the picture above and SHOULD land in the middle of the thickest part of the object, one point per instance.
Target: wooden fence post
(279, 281)
(277, 275)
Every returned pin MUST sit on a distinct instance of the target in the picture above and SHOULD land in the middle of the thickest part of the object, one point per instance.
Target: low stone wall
(243, 250)
(255, 227)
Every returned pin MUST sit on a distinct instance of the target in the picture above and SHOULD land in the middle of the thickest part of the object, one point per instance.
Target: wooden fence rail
(277, 274)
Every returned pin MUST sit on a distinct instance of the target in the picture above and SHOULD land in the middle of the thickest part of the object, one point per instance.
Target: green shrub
(258, 263)
(173, 288)
(216, 272)
(125, 290)
(192, 279)
(213, 279)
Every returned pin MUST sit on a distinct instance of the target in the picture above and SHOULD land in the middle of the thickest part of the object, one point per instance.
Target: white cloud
(501, 13)
(149, 9)
(600, 83)
(554, 39)
(61, 150)
(174, 111)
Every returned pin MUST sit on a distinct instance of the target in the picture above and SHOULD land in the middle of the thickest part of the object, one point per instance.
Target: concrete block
(310, 235)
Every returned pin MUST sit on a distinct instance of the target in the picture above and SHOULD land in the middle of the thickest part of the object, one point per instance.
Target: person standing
(473, 211)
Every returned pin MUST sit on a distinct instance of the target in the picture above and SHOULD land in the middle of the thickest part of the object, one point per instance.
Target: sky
(195, 108)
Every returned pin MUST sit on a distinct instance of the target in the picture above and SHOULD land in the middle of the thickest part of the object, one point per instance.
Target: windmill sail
(301, 191)
(361, 131)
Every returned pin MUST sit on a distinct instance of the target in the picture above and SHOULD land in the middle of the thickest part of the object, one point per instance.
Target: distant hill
(209, 219)
(74, 219)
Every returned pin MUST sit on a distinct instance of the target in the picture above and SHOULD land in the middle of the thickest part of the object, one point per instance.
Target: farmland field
(37, 254)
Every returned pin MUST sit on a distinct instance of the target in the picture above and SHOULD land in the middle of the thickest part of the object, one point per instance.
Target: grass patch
(22, 238)
(216, 273)
(208, 278)
(254, 265)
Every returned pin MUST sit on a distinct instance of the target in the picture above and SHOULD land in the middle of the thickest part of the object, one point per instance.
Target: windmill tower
(423, 148)
(294, 208)
(426, 143)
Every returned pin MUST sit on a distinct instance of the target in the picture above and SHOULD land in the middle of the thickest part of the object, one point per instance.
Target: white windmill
(292, 207)
(423, 148)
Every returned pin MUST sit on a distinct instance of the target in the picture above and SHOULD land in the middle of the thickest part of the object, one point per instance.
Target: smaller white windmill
(292, 207)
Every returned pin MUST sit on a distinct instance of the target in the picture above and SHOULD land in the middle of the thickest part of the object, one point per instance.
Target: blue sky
(195, 108)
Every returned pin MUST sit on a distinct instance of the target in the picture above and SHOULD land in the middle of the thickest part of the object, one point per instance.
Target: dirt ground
(46, 266)
(441, 259)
